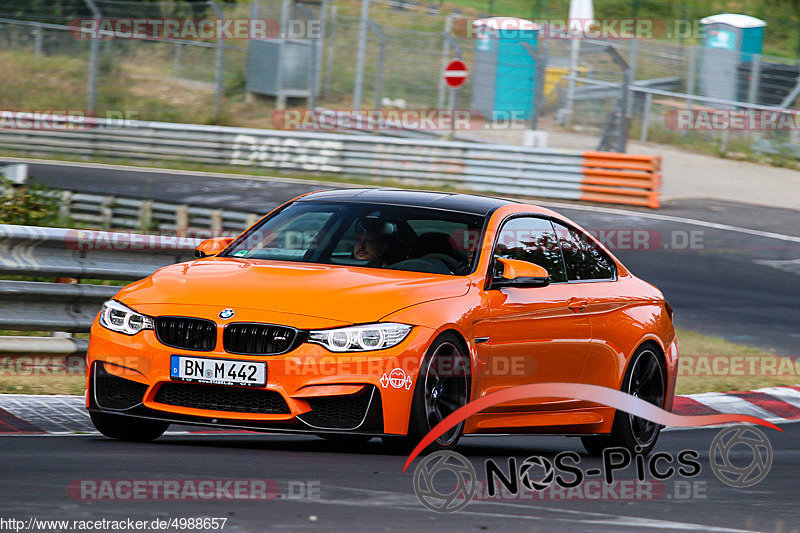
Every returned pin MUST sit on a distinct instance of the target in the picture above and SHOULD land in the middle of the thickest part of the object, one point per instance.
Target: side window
(583, 258)
(532, 239)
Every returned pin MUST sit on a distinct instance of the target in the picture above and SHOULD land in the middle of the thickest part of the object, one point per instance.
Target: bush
(29, 205)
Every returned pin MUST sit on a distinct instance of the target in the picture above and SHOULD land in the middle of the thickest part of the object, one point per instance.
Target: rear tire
(645, 378)
(127, 428)
(442, 387)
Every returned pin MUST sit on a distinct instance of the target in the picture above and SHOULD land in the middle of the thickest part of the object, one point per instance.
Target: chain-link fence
(206, 80)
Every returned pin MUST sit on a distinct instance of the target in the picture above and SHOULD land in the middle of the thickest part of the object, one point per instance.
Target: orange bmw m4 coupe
(356, 314)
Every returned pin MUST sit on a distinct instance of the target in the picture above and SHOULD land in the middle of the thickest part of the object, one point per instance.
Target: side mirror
(517, 273)
(213, 246)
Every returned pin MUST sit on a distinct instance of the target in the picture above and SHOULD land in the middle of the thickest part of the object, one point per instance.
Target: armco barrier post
(181, 219)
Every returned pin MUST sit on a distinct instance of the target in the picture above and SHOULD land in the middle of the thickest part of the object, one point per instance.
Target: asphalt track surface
(364, 489)
(721, 286)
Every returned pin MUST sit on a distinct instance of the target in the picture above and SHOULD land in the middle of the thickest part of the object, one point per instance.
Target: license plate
(218, 371)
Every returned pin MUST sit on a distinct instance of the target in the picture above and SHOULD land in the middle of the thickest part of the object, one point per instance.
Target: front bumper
(308, 389)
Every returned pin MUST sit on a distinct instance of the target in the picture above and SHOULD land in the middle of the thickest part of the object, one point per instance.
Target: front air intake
(259, 339)
(186, 333)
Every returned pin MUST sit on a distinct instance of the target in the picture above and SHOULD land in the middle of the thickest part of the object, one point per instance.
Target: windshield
(371, 235)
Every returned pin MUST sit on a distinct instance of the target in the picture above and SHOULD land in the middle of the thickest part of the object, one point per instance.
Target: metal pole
(448, 28)
(632, 59)
(315, 46)
(178, 54)
(219, 63)
(331, 49)
(362, 44)
(622, 136)
(312, 88)
(634, 56)
(648, 99)
(284, 22)
(320, 45)
(284, 29)
(379, 72)
(379, 67)
(692, 73)
(94, 53)
(538, 91)
(452, 107)
(37, 40)
(622, 133)
(573, 71)
(537, 82)
(755, 76)
(379, 75)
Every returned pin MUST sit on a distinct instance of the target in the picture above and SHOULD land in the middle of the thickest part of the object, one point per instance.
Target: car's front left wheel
(442, 387)
(127, 428)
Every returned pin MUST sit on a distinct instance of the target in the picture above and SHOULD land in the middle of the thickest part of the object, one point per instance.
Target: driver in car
(371, 241)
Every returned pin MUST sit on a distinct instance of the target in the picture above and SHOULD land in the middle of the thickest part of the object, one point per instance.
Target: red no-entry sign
(456, 73)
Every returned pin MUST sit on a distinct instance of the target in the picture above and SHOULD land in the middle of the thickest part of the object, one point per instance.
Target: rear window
(583, 258)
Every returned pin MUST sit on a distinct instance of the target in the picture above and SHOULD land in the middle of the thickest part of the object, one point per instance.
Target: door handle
(577, 304)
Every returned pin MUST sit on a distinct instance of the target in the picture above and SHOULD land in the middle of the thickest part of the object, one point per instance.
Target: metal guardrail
(56, 252)
(39, 251)
(117, 212)
(503, 169)
(19, 345)
(123, 213)
(41, 306)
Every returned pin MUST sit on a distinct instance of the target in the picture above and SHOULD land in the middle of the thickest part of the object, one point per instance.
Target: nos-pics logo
(729, 454)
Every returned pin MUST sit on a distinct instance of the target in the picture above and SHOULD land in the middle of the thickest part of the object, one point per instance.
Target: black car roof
(464, 203)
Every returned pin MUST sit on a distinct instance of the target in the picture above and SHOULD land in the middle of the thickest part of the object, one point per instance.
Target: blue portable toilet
(729, 40)
(504, 72)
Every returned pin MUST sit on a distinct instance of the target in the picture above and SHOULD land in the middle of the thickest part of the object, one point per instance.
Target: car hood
(342, 293)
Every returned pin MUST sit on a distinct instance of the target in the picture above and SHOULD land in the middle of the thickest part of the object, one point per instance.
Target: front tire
(127, 428)
(644, 379)
(443, 386)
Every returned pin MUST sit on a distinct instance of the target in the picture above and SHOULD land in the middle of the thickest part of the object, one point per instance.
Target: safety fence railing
(115, 212)
(495, 168)
(40, 252)
(118, 212)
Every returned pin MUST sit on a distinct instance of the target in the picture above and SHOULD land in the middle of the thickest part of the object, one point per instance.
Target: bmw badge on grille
(225, 314)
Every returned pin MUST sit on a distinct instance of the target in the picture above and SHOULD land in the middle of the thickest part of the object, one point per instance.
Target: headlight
(360, 338)
(123, 319)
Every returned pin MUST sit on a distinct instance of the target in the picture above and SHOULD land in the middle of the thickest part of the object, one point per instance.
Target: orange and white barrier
(621, 179)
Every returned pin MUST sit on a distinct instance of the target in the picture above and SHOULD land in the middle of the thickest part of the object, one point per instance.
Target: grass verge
(713, 364)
